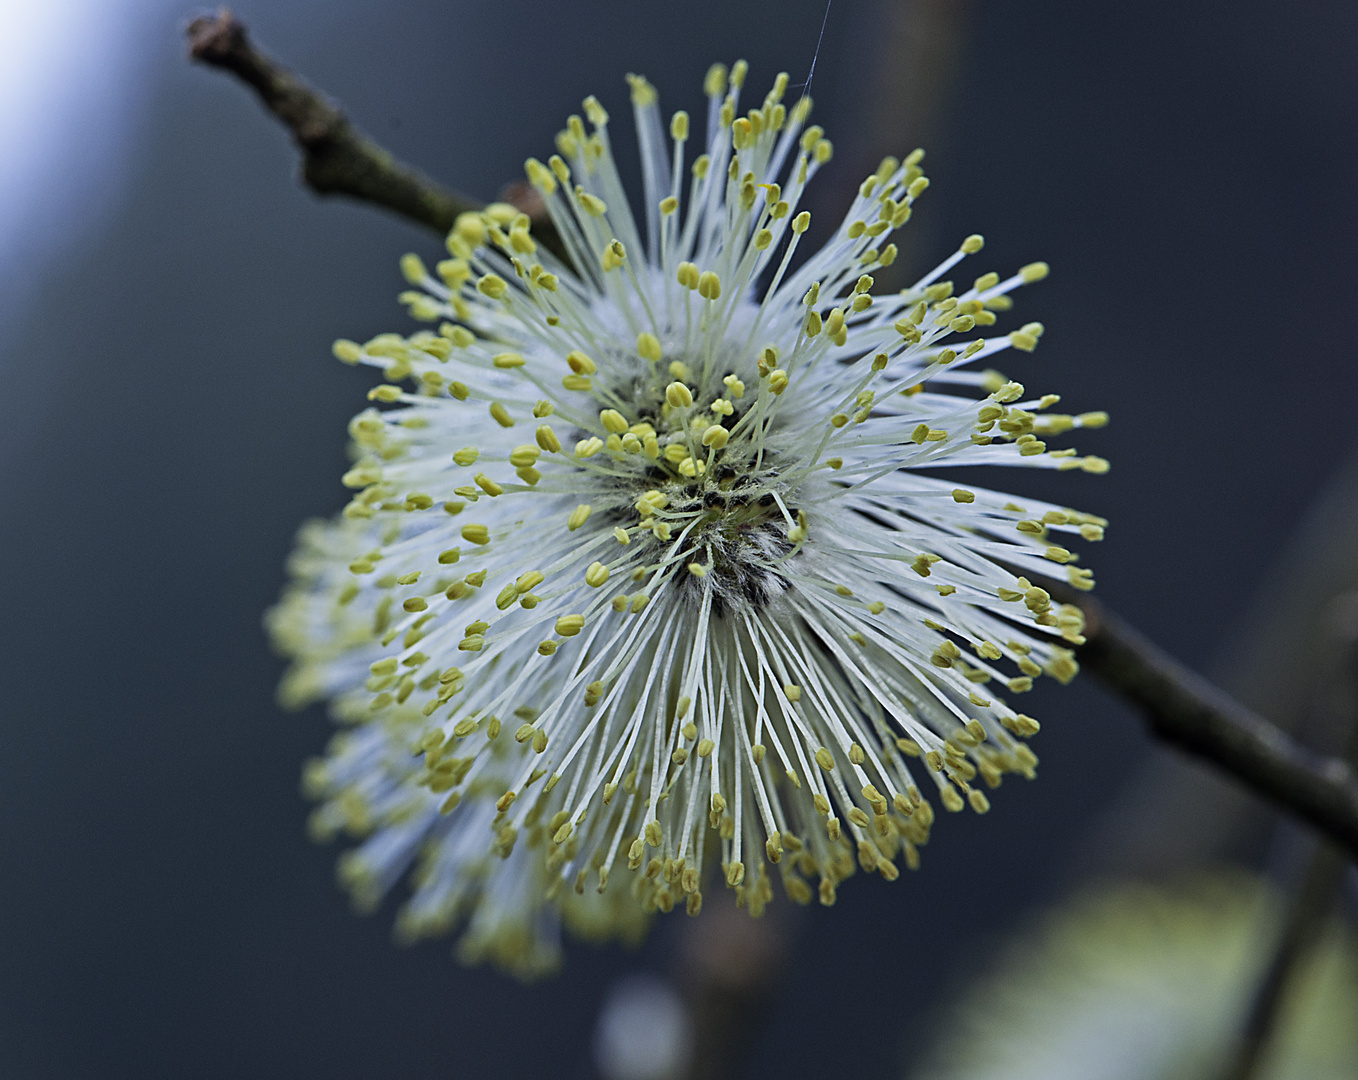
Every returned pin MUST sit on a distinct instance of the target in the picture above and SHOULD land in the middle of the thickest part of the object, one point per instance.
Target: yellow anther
(825, 759)
(648, 346)
(592, 205)
(587, 448)
(596, 575)
(777, 381)
(508, 360)
(697, 569)
(501, 415)
(612, 256)
(546, 438)
(386, 393)
(678, 395)
(1034, 272)
(736, 387)
(579, 516)
(716, 436)
(559, 168)
(598, 115)
(347, 352)
(580, 363)
(476, 534)
(526, 582)
(792, 692)
(1037, 600)
(972, 244)
(688, 275)
(525, 456)
(493, 286)
(540, 176)
(412, 267)
(709, 285)
(613, 421)
(486, 484)
(570, 625)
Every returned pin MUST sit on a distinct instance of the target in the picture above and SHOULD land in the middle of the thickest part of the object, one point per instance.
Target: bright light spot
(72, 76)
(643, 1031)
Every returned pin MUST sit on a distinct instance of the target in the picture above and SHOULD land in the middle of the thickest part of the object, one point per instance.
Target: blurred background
(168, 296)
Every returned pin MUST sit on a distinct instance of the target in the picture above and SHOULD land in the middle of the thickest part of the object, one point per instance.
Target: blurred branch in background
(337, 158)
(1322, 883)
(1302, 928)
(728, 965)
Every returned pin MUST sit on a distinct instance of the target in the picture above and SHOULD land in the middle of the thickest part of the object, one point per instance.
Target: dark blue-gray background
(171, 413)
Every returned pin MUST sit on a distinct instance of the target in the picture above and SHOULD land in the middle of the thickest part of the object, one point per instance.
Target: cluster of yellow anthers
(650, 562)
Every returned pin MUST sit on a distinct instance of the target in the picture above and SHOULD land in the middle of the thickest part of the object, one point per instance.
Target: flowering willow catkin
(649, 565)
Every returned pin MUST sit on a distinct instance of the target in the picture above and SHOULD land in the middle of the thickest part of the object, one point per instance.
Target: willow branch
(1188, 712)
(337, 158)
(1309, 908)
